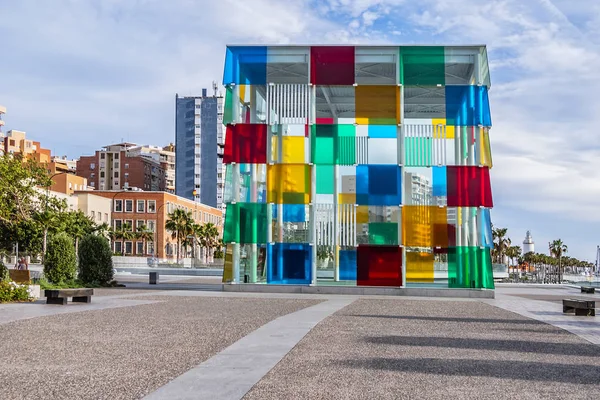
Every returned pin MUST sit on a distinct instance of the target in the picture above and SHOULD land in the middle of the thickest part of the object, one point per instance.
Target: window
(128, 205)
(126, 166)
(102, 156)
(102, 174)
(139, 223)
(118, 224)
(70, 186)
(141, 206)
(92, 175)
(129, 223)
(116, 164)
(140, 248)
(92, 165)
(118, 247)
(128, 247)
(99, 214)
(118, 206)
(101, 164)
(105, 217)
(151, 225)
(150, 247)
(116, 156)
(151, 206)
(116, 174)
(11, 142)
(92, 184)
(126, 175)
(93, 215)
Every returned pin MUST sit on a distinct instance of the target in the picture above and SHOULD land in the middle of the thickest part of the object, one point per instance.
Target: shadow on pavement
(521, 346)
(521, 370)
(454, 319)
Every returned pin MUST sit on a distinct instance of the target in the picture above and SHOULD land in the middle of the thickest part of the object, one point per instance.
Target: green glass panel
(325, 179)
(422, 65)
(418, 151)
(245, 223)
(383, 233)
(333, 144)
(228, 110)
(470, 267)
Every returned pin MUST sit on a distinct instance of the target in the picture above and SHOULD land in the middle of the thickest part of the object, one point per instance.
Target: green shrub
(9, 291)
(95, 260)
(60, 263)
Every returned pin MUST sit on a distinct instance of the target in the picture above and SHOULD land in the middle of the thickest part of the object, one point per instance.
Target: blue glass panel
(382, 131)
(486, 229)
(289, 263)
(467, 106)
(245, 65)
(378, 185)
(440, 185)
(291, 212)
(348, 265)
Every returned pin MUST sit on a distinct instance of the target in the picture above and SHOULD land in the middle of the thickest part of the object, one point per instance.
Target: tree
(103, 230)
(60, 261)
(512, 253)
(144, 234)
(95, 260)
(124, 233)
(77, 225)
(208, 236)
(180, 224)
(501, 243)
(557, 249)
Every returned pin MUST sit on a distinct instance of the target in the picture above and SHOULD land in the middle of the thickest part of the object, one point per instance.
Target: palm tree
(179, 223)
(513, 252)
(501, 243)
(208, 236)
(103, 230)
(144, 234)
(124, 233)
(46, 219)
(557, 249)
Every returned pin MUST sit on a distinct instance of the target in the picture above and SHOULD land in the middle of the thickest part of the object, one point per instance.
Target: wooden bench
(588, 289)
(19, 275)
(580, 307)
(59, 296)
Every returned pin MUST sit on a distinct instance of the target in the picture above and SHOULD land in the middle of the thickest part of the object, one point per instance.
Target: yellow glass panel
(362, 214)
(484, 149)
(419, 267)
(228, 265)
(347, 198)
(425, 226)
(449, 129)
(288, 184)
(292, 149)
(377, 105)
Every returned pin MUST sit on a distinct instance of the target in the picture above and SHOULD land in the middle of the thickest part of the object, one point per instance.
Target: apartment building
(115, 168)
(165, 156)
(151, 208)
(199, 140)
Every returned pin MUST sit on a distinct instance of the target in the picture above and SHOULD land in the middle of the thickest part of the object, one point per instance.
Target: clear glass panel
(287, 64)
(376, 65)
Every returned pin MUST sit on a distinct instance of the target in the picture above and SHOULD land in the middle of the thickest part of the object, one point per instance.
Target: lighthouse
(528, 244)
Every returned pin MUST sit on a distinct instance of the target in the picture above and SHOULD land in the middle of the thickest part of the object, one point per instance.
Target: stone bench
(580, 307)
(59, 296)
(588, 289)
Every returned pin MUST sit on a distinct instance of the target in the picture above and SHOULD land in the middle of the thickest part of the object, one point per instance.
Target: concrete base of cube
(362, 290)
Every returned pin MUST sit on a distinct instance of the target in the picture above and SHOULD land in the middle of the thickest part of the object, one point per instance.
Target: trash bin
(153, 278)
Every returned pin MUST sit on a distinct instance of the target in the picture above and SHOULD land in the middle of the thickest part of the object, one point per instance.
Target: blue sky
(77, 75)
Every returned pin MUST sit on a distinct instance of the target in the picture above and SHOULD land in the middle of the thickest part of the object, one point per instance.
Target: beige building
(97, 208)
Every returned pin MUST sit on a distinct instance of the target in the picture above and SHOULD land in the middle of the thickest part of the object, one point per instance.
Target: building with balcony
(121, 166)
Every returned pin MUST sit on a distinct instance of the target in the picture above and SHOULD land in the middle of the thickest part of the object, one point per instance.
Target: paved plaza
(168, 343)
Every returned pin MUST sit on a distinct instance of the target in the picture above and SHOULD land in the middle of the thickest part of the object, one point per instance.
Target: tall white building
(528, 244)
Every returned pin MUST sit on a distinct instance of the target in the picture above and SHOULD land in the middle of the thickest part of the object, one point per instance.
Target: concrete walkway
(549, 310)
(234, 371)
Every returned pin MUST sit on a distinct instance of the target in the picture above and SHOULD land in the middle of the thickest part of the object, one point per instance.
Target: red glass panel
(325, 121)
(245, 143)
(469, 186)
(379, 265)
(332, 65)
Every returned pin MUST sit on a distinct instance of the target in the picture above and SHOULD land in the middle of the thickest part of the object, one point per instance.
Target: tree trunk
(45, 243)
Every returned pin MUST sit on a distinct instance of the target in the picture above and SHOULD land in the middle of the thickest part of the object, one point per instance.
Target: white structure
(528, 244)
